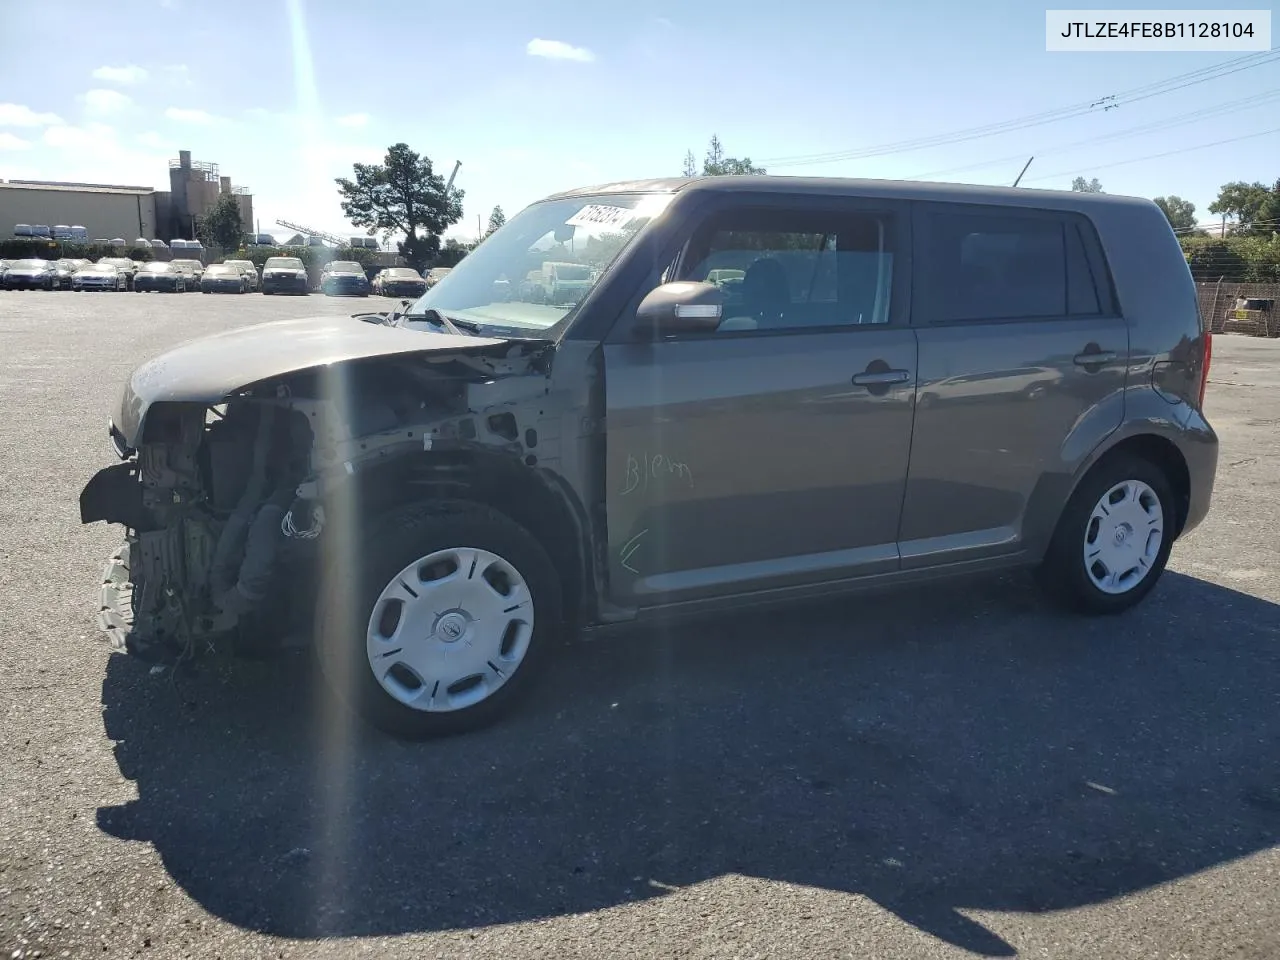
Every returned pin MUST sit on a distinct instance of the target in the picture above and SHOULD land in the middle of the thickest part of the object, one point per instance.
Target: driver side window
(796, 269)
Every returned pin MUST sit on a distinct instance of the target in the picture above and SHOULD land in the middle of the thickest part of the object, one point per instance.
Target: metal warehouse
(128, 212)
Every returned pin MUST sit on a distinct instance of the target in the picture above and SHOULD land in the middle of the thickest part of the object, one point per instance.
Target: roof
(74, 187)
(842, 186)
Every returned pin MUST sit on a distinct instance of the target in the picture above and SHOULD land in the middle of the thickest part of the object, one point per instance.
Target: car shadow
(951, 748)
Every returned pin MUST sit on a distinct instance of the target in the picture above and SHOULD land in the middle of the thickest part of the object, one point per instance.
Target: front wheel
(438, 619)
(1113, 539)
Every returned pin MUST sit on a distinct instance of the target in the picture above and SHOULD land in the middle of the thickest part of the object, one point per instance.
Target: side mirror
(681, 307)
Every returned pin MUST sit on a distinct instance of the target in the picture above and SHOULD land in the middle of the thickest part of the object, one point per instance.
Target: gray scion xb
(662, 397)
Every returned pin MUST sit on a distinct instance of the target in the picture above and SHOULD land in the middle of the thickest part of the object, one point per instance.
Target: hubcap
(1123, 537)
(450, 629)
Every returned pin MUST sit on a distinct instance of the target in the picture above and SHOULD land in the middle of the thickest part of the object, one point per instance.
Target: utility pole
(1024, 170)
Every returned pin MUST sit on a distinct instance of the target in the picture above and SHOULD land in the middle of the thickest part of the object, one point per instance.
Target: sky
(284, 95)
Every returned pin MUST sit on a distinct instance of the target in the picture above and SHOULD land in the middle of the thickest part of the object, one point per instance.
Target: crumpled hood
(209, 369)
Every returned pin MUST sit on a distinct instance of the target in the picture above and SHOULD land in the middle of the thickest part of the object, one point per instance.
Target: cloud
(90, 136)
(10, 142)
(154, 141)
(185, 115)
(124, 75)
(353, 120)
(105, 102)
(96, 152)
(176, 74)
(558, 50)
(17, 115)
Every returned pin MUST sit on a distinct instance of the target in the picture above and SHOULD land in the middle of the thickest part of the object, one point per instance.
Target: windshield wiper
(438, 319)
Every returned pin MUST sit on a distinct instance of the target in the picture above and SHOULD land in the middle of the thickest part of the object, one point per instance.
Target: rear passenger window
(1005, 267)
(995, 268)
(782, 269)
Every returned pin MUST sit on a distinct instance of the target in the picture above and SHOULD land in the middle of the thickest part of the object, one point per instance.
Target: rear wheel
(1113, 539)
(439, 620)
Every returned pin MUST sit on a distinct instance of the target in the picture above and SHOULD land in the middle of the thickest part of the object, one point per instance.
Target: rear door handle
(880, 378)
(1094, 359)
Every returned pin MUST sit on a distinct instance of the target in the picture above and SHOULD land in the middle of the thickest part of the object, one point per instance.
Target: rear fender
(1146, 414)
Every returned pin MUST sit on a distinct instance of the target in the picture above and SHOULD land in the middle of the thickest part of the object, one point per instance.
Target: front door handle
(1094, 359)
(880, 378)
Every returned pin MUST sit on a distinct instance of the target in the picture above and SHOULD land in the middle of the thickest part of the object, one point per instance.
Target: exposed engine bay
(228, 506)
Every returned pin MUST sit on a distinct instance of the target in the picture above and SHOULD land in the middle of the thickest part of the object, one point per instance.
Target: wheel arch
(1151, 441)
(1164, 454)
(536, 499)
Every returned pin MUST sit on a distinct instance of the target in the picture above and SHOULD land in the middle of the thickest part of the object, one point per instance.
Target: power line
(1157, 156)
(1212, 112)
(1157, 88)
(1214, 224)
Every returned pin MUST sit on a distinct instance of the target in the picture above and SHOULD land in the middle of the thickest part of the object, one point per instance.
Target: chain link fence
(1218, 299)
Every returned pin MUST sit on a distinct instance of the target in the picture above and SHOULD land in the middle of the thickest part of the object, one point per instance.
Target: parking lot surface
(945, 772)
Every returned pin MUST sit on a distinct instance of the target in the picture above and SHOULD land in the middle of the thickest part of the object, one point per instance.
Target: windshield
(30, 264)
(222, 270)
(345, 266)
(98, 268)
(401, 273)
(532, 272)
(158, 268)
(283, 263)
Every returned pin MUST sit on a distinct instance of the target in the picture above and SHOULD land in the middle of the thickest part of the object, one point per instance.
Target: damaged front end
(227, 493)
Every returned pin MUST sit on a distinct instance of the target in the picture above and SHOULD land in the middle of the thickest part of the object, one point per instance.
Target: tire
(389, 553)
(1115, 541)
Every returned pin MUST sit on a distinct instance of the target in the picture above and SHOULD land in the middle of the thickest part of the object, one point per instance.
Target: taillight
(1204, 365)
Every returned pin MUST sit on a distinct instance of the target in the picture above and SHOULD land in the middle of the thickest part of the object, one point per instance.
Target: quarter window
(795, 269)
(1005, 267)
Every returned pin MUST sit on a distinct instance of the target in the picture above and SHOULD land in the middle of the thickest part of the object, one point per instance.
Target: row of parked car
(78, 234)
(278, 275)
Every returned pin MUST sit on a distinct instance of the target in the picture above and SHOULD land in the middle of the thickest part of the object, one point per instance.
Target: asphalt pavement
(948, 771)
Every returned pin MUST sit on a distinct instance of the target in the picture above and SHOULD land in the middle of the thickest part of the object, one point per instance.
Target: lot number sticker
(600, 215)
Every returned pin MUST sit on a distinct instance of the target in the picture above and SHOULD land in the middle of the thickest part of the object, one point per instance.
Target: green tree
(496, 219)
(221, 226)
(1180, 213)
(690, 165)
(1267, 222)
(1242, 257)
(716, 164)
(403, 194)
(1081, 185)
(1243, 202)
(452, 253)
